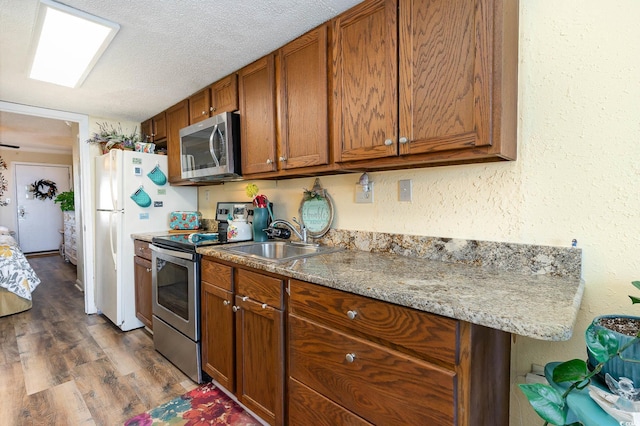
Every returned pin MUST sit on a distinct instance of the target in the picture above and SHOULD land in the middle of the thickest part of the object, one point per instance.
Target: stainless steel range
(176, 292)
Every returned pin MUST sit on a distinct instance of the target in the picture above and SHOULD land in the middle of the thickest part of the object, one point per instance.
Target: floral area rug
(204, 405)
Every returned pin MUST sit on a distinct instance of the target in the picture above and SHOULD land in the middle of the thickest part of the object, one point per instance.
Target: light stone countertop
(532, 291)
(538, 306)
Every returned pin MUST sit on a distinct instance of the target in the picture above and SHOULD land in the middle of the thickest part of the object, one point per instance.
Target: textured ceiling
(165, 50)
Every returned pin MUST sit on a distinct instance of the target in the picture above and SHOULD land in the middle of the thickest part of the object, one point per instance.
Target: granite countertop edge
(534, 304)
(449, 289)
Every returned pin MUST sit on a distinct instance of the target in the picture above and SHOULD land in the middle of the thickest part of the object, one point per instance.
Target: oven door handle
(180, 254)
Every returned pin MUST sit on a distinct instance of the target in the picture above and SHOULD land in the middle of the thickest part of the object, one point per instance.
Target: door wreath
(43, 189)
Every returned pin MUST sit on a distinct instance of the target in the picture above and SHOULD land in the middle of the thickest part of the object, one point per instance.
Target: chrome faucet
(302, 234)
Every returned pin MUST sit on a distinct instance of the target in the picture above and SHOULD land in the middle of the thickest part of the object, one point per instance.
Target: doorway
(39, 218)
(85, 171)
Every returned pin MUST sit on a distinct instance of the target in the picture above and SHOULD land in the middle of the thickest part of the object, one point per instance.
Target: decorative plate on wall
(316, 210)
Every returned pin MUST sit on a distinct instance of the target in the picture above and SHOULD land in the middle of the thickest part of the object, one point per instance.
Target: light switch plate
(404, 190)
(362, 196)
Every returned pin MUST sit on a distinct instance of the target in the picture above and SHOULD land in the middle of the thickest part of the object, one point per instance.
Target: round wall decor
(43, 189)
(316, 210)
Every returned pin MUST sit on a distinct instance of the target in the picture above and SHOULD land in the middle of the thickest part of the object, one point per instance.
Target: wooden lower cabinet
(358, 355)
(142, 279)
(382, 385)
(243, 342)
(308, 407)
(218, 359)
(347, 359)
(260, 359)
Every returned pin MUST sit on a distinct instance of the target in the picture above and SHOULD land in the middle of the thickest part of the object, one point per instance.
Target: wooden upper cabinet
(445, 74)
(199, 105)
(177, 118)
(456, 80)
(154, 129)
(224, 95)
(301, 67)
(159, 127)
(146, 130)
(221, 96)
(256, 94)
(365, 75)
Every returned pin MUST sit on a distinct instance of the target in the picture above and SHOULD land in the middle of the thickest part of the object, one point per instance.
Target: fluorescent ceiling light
(68, 43)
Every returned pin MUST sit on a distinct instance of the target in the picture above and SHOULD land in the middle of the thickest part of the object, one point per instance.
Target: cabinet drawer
(426, 334)
(380, 385)
(216, 274)
(260, 288)
(142, 249)
(307, 407)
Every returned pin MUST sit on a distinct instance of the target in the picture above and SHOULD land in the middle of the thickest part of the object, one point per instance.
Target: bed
(17, 278)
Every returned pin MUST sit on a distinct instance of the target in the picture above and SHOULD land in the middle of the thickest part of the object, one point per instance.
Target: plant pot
(628, 363)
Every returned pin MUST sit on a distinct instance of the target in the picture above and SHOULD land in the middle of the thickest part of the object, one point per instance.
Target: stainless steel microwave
(210, 149)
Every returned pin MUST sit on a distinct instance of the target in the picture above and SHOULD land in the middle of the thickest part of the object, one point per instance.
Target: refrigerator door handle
(113, 252)
(112, 178)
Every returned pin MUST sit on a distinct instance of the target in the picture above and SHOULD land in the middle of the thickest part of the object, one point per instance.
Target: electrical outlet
(404, 190)
(363, 196)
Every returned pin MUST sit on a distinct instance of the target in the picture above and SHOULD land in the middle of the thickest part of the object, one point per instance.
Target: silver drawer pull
(350, 357)
(245, 298)
(236, 308)
(264, 306)
(225, 302)
(388, 142)
(351, 314)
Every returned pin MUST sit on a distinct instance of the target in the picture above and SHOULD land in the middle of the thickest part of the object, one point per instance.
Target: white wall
(577, 174)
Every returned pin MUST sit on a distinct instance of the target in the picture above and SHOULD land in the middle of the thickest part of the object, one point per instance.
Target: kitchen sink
(279, 251)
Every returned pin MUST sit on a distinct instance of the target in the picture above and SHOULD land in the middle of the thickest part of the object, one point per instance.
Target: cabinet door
(146, 130)
(303, 104)
(218, 335)
(445, 74)
(142, 279)
(256, 91)
(199, 106)
(224, 95)
(260, 359)
(177, 118)
(365, 76)
(160, 127)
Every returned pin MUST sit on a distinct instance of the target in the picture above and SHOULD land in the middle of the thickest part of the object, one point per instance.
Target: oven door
(176, 298)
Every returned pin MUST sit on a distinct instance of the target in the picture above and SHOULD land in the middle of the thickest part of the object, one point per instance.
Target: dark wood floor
(59, 366)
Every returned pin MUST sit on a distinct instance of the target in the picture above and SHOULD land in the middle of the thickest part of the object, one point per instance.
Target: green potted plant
(66, 200)
(604, 347)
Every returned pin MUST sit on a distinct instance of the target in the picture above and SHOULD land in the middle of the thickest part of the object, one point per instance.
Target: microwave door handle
(211, 150)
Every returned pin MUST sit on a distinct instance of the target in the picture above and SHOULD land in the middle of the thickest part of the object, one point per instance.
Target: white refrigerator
(132, 196)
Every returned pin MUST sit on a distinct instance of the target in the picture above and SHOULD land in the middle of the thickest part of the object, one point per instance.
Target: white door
(40, 219)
